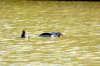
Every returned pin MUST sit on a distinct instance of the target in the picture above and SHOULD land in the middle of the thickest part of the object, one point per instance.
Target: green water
(79, 22)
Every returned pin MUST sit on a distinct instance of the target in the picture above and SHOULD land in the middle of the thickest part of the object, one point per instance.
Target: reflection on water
(77, 21)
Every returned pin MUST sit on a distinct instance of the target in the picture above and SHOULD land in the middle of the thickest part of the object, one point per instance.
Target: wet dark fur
(58, 34)
(45, 35)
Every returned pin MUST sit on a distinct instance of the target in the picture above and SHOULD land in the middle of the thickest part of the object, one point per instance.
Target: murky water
(79, 22)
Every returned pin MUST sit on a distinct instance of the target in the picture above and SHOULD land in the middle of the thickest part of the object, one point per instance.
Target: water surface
(79, 22)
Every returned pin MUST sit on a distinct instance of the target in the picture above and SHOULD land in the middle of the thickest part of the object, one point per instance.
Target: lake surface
(79, 22)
